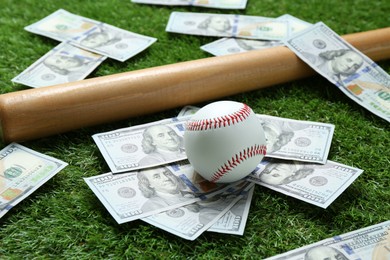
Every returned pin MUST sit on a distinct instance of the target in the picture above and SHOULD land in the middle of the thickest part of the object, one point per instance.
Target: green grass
(63, 218)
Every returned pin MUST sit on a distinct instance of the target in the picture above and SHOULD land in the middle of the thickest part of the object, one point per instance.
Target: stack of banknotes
(151, 179)
(173, 197)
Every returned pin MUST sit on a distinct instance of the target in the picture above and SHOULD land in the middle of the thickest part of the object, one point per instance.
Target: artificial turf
(63, 219)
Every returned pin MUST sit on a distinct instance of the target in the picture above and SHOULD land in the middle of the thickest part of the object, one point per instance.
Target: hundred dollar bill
(22, 172)
(298, 140)
(95, 36)
(228, 25)
(190, 221)
(222, 4)
(65, 63)
(227, 46)
(143, 146)
(316, 184)
(138, 194)
(368, 243)
(234, 220)
(290, 139)
(352, 72)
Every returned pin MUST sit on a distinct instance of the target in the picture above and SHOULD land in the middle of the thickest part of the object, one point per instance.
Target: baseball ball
(224, 141)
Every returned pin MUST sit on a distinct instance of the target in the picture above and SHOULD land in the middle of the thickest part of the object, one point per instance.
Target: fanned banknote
(22, 172)
(228, 25)
(234, 220)
(316, 184)
(95, 36)
(143, 146)
(368, 243)
(298, 140)
(221, 4)
(190, 221)
(352, 72)
(65, 63)
(138, 194)
(227, 46)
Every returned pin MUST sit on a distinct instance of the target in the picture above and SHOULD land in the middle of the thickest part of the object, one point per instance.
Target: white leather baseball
(224, 141)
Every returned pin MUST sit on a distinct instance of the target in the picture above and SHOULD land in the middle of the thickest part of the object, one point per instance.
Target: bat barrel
(35, 113)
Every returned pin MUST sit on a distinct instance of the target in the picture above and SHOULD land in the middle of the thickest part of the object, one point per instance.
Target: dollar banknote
(143, 146)
(298, 140)
(352, 72)
(316, 184)
(138, 194)
(291, 139)
(234, 220)
(228, 25)
(95, 36)
(190, 221)
(22, 172)
(221, 4)
(227, 46)
(367, 243)
(65, 63)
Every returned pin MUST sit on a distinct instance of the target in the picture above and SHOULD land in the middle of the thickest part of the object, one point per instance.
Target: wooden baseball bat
(35, 113)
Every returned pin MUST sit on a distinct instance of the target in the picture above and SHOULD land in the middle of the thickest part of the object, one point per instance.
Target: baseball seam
(218, 122)
(237, 159)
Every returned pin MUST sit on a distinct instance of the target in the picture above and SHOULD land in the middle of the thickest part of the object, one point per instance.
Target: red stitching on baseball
(218, 122)
(237, 159)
